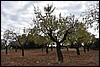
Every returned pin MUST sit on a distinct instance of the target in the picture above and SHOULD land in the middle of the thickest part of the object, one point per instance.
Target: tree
(88, 40)
(31, 39)
(48, 42)
(2, 44)
(76, 44)
(7, 38)
(30, 42)
(18, 39)
(21, 39)
(95, 45)
(39, 40)
(91, 15)
(43, 41)
(66, 43)
(79, 36)
(14, 44)
(56, 28)
(76, 38)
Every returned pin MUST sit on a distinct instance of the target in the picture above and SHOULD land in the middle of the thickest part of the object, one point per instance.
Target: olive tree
(76, 38)
(7, 38)
(88, 41)
(56, 28)
(21, 38)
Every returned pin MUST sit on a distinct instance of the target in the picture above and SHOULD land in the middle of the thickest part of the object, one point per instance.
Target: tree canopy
(91, 15)
(51, 25)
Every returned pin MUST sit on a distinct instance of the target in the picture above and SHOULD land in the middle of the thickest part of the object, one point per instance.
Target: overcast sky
(19, 14)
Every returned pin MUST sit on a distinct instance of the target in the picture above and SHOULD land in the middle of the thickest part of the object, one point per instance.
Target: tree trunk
(59, 53)
(6, 50)
(88, 48)
(22, 51)
(51, 48)
(46, 49)
(84, 48)
(42, 48)
(67, 48)
(16, 49)
(77, 49)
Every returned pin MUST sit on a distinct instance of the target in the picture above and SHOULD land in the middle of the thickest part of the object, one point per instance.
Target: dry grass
(40, 58)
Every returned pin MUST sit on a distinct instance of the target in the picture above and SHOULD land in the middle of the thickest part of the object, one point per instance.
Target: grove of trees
(68, 31)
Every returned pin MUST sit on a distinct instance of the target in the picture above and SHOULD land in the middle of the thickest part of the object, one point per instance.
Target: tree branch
(66, 33)
(51, 37)
(18, 39)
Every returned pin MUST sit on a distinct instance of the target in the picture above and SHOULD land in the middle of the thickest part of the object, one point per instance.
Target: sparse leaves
(91, 15)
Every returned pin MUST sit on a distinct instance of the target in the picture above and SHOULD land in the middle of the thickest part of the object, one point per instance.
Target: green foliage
(50, 25)
(67, 42)
(30, 37)
(22, 39)
(80, 35)
(2, 46)
(95, 45)
(41, 40)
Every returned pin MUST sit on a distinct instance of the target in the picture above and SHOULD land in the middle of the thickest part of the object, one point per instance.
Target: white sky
(18, 14)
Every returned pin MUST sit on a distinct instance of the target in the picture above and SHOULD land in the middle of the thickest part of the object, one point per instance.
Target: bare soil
(38, 57)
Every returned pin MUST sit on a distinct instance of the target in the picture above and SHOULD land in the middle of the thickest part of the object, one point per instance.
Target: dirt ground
(38, 57)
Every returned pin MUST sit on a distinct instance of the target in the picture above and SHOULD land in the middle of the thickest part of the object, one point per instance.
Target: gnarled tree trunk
(84, 48)
(88, 48)
(59, 53)
(42, 48)
(22, 50)
(67, 48)
(6, 50)
(51, 48)
(46, 49)
(77, 48)
(78, 52)
(16, 49)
